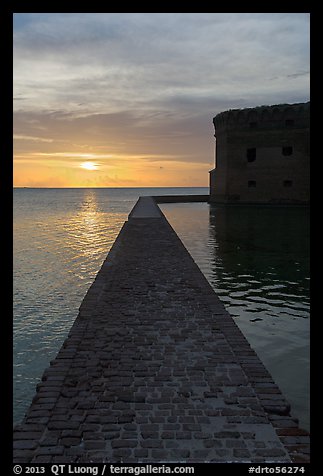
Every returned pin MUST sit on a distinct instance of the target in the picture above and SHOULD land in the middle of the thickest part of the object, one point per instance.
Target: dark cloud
(297, 75)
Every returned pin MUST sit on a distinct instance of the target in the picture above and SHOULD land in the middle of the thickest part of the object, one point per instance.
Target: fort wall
(262, 155)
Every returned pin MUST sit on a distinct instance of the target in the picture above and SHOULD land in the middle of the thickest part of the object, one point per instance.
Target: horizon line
(146, 186)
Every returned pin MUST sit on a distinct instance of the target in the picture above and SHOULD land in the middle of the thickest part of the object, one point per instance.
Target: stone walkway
(155, 370)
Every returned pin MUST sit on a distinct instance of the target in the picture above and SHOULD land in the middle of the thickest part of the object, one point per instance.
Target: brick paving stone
(149, 435)
(124, 443)
(241, 453)
(122, 453)
(27, 435)
(50, 450)
(171, 444)
(151, 443)
(159, 455)
(42, 459)
(269, 452)
(141, 453)
(155, 369)
(94, 445)
(168, 435)
(25, 445)
(235, 444)
(210, 443)
(183, 435)
(68, 441)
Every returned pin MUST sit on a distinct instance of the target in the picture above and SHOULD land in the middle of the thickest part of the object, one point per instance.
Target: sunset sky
(127, 99)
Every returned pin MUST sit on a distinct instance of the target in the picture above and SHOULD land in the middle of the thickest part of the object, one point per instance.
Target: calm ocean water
(256, 259)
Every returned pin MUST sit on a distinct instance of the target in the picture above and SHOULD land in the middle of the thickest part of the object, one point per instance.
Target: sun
(89, 165)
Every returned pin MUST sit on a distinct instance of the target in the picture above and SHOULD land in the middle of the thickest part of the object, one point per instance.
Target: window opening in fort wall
(287, 150)
(251, 154)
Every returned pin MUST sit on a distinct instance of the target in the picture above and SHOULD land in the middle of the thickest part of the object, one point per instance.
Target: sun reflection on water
(59, 246)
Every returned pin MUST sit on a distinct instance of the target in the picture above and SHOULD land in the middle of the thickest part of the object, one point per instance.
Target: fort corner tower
(262, 155)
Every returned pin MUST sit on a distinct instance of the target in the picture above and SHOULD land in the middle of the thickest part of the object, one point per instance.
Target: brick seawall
(154, 369)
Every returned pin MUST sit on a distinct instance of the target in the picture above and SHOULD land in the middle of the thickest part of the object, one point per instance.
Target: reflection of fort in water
(241, 233)
(258, 247)
(262, 155)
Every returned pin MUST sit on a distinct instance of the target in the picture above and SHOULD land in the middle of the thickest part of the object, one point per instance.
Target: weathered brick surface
(155, 369)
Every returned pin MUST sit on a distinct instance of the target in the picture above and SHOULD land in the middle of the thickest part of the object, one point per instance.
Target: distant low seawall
(155, 369)
(181, 198)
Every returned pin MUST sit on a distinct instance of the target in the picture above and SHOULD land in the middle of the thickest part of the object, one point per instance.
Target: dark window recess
(288, 183)
(287, 150)
(289, 122)
(251, 183)
(251, 154)
(253, 125)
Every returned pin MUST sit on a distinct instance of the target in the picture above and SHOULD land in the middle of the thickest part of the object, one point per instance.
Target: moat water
(256, 258)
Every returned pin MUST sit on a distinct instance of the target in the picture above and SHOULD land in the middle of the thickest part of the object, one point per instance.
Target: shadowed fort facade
(262, 155)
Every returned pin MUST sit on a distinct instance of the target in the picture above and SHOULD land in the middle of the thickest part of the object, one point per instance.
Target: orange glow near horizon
(59, 170)
(65, 152)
